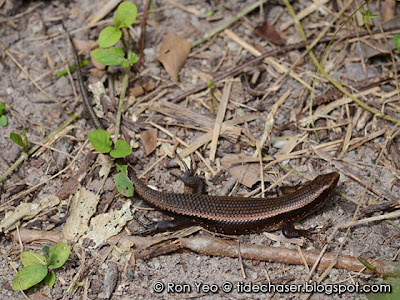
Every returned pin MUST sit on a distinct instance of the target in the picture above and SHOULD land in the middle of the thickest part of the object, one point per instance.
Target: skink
(239, 215)
(232, 215)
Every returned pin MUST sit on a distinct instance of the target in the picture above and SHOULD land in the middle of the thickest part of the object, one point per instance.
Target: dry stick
(2, 47)
(392, 215)
(143, 32)
(85, 97)
(220, 118)
(24, 156)
(219, 247)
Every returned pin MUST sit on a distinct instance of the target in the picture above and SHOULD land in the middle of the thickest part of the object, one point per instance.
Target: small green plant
(38, 268)
(367, 16)
(3, 118)
(101, 141)
(22, 142)
(109, 36)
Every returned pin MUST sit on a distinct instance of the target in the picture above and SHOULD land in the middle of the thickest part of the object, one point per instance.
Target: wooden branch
(208, 245)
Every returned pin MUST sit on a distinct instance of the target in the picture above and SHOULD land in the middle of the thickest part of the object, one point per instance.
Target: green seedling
(101, 141)
(38, 268)
(3, 118)
(22, 142)
(367, 17)
(64, 72)
(109, 36)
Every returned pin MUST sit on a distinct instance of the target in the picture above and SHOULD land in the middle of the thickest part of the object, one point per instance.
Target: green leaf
(72, 68)
(3, 121)
(133, 58)
(2, 108)
(32, 258)
(125, 63)
(121, 149)
(109, 57)
(109, 36)
(50, 279)
(58, 255)
(396, 40)
(16, 138)
(126, 14)
(29, 276)
(100, 140)
(122, 168)
(122, 182)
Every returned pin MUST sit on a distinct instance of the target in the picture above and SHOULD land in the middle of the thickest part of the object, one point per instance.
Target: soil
(37, 48)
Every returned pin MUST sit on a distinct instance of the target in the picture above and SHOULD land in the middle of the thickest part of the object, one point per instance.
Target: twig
(143, 32)
(82, 88)
(392, 215)
(220, 118)
(219, 247)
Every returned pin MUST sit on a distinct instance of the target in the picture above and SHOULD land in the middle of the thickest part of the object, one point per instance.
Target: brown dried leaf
(268, 32)
(173, 54)
(247, 174)
(149, 140)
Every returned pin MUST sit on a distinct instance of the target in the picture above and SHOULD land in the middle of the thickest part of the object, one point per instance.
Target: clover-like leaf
(126, 14)
(16, 138)
(109, 57)
(29, 276)
(109, 36)
(3, 121)
(58, 255)
(121, 149)
(133, 58)
(122, 181)
(100, 140)
(50, 279)
(32, 258)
